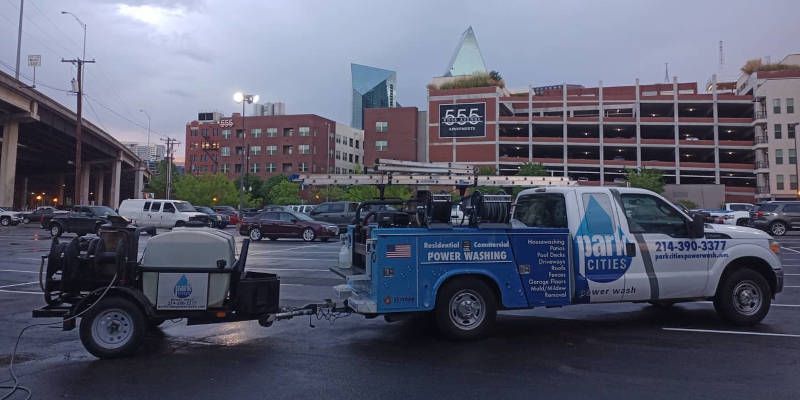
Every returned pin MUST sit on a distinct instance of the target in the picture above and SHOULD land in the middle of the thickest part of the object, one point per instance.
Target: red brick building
(280, 144)
(397, 133)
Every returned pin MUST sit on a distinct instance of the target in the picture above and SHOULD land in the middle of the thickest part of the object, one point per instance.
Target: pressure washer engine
(190, 273)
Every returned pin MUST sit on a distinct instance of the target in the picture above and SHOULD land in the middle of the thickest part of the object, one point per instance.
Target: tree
(204, 189)
(285, 192)
(532, 169)
(361, 193)
(487, 171)
(649, 179)
(158, 183)
(690, 205)
(328, 193)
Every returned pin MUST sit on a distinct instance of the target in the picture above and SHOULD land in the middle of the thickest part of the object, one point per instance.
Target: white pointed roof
(467, 58)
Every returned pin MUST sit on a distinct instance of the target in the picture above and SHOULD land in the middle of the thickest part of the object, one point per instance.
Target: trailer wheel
(465, 309)
(113, 328)
(743, 298)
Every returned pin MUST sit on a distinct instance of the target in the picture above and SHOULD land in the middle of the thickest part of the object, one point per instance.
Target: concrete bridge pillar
(8, 162)
(116, 175)
(138, 186)
(99, 187)
(82, 197)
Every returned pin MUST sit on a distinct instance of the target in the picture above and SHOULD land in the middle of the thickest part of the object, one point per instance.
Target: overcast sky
(175, 58)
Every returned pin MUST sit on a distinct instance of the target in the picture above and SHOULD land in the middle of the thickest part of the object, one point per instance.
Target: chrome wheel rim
(778, 229)
(5, 222)
(467, 309)
(308, 235)
(54, 231)
(747, 298)
(255, 234)
(112, 328)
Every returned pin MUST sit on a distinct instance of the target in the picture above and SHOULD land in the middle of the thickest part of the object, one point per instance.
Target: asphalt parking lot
(593, 351)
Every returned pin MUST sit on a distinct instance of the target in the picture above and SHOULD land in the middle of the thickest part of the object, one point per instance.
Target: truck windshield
(543, 210)
(184, 206)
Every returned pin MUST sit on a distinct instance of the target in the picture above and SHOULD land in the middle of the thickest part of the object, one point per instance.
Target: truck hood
(737, 232)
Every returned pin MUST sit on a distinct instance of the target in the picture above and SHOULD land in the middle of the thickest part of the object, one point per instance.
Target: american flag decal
(398, 251)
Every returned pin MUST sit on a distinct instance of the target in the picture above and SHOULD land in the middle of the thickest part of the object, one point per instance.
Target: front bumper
(778, 280)
(328, 232)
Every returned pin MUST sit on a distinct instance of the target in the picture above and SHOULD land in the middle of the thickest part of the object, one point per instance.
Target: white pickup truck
(732, 214)
(564, 245)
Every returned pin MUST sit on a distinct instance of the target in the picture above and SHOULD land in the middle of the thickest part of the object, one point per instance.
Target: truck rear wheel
(466, 308)
(743, 298)
(113, 328)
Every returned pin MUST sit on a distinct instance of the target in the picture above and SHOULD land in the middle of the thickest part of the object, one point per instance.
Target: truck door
(154, 215)
(601, 247)
(169, 215)
(671, 266)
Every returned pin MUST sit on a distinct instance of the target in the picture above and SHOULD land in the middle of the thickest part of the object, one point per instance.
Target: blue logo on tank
(600, 245)
(182, 288)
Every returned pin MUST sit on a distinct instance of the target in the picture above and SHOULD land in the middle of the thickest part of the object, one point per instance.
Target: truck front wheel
(466, 308)
(743, 298)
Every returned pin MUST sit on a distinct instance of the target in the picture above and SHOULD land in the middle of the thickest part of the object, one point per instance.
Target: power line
(10, 68)
(53, 24)
(97, 117)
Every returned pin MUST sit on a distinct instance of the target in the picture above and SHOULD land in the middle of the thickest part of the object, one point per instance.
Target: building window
(357, 143)
(351, 142)
(272, 132)
(270, 167)
(271, 150)
(792, 156)
(777, 130)
(779, 182)
(381, 145)
(338, 139)
(255, 150)
(286, 167)
(338, 170)
(224, 151)
(287, 132)
(304, 131)
(350, 158)
(304, 149)
(776, 106)
(303, 167)
(224, 168)
(237, 168)
(793, 182)
(254, 168)
(338, 155)
(204, 132)
(288, 149)
(239, 150)
(255, 133)
(226, 133)
(356, 159)
(193, 130)
(778, 157)
(790, 129)
(240, 133)
(381, 126)
(790, 105)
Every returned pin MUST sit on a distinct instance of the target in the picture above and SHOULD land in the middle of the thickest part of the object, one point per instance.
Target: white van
(161, 213)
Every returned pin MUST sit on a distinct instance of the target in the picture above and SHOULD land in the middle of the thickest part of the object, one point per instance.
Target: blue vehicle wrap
(527, 267)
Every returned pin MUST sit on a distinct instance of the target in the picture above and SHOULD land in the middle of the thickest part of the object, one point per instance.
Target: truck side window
(156, 206)
(168, 207)
(146, 206)
(542, 210)
(336, 208)
(649, 214)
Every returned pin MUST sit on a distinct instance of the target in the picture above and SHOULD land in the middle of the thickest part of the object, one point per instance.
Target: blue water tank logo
(601, 245)
(182, 288)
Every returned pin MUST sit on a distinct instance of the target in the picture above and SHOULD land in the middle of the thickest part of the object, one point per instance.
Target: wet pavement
(627, 351)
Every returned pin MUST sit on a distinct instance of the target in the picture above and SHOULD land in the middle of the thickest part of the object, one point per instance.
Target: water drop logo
(601, 245)
(182, 288)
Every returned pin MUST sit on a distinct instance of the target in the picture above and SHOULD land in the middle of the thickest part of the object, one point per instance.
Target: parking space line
(773, 304)
(790, 249)
(791, 274)
(287, 259)
(18, 284)
(19, 291)
(732, 332)
(789, 286)
(36, 272)
(289, 269)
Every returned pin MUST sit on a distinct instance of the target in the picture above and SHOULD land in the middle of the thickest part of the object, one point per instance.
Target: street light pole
(240, 97)
(19, 38)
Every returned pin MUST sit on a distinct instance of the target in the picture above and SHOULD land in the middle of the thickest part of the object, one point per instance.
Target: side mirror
(697, 226)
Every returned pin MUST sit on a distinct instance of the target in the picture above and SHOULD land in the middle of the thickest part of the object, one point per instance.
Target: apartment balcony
(759, 117)
(763, 165)
(764, 190)
(762, 141)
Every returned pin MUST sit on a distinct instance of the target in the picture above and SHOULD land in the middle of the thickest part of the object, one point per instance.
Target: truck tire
(743, 297)
(777, 228)
(56, 230)
(113, 328)
(466, 309)
(5, 221)
(255, 234)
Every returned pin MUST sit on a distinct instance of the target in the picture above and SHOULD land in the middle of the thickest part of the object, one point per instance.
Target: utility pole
(78, 190)
(19, 38)
(170, 142)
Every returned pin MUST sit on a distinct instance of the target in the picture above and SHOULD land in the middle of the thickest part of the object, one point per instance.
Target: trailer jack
(321, 311)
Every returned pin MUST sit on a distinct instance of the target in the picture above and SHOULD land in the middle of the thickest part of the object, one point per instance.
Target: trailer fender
(137, 297)
(508, 290)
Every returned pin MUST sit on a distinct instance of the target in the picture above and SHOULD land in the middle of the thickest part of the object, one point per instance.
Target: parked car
(302, 208)
(340, 213)
(81, 220)
(286, 224)
(8, 217)
(39, 212)
(218, 220)
(776, 217)
(233, 215)
(158, 213)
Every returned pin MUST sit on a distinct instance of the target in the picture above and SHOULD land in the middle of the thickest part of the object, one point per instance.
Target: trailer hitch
(328, 311)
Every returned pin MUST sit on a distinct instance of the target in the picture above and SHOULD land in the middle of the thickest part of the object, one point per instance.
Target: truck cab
(555, 246)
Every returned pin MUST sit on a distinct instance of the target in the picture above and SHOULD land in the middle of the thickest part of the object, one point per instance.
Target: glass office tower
(372, 88)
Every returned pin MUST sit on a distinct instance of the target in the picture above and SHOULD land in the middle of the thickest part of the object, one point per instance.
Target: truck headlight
(774, 246)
